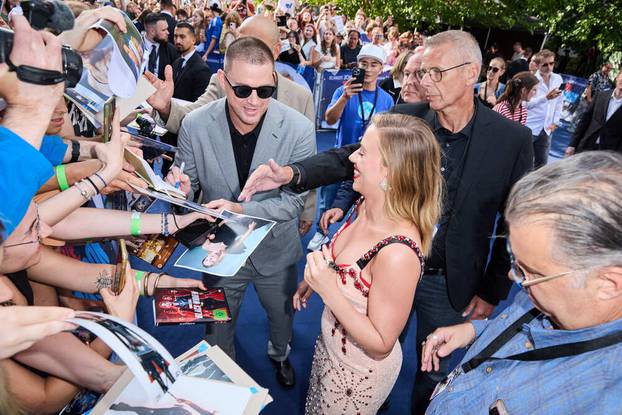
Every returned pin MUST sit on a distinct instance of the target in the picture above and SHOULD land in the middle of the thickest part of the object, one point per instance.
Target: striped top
(520, 114)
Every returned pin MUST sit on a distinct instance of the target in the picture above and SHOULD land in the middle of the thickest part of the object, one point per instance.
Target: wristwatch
(75, 151)
(295, 177)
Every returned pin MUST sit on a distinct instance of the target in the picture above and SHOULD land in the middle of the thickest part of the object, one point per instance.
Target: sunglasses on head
(494, 69)
(245, 91)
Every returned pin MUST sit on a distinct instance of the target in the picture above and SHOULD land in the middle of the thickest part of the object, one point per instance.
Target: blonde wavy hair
(412, 157)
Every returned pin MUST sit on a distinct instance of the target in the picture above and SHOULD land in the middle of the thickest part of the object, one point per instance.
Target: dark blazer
(168, 55)
(389, 85)
(500, 153)
(191, 80)
(593, 125)
(171, 22)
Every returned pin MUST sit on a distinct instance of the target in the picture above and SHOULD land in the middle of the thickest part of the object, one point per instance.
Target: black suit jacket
(171, 22)
(167, 55)
(191, 80)
(500, 153)
(593, 125)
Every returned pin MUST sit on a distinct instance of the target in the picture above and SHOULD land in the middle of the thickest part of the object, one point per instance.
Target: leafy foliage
(575, 23)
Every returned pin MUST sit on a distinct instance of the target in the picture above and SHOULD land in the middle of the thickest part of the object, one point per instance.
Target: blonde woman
(491, 89)
(368, 275)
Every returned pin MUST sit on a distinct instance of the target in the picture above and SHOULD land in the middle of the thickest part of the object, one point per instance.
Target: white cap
(371, 51)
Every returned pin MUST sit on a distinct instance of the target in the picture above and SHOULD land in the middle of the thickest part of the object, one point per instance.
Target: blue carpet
(252, 329)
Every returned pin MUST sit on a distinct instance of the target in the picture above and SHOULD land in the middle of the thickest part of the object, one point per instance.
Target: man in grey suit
(220, 144)
(171, 112)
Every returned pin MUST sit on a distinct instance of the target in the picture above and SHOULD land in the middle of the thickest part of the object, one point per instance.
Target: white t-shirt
(330, 64)
(307, 48)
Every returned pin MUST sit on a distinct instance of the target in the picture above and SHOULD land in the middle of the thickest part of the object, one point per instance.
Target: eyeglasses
(34, 229)
(494, 69)
(245, 91)
(436, 74)
(518, 274)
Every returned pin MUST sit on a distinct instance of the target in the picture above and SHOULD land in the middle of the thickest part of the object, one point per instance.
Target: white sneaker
(319, 239)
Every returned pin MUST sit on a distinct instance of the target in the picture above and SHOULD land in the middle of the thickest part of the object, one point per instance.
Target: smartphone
(562, 86)
(120, 275)
(196, 233)
(109, 109)
(358, 76)
(498, 408)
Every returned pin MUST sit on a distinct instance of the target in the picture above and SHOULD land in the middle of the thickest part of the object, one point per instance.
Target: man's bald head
(264, 29)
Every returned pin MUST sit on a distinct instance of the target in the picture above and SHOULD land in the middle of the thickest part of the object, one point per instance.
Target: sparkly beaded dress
(344, 379)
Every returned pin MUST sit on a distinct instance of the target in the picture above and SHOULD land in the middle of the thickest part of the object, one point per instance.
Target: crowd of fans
(442, 166)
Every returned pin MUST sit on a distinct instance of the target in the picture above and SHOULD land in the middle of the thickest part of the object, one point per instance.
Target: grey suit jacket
(286, 136)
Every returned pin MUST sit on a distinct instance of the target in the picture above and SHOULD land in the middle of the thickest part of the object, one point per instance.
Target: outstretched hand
(442, 342)
(23, 326)
(266, 177)
(161, 99)
(329, 217)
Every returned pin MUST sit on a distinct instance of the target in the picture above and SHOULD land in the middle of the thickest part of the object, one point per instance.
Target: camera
(57, 17)
(146, 126)
(72, 61)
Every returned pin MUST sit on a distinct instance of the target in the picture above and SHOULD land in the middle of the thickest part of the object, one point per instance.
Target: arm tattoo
(104, 280)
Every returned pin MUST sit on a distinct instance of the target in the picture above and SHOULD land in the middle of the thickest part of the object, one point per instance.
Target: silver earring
(383, 184)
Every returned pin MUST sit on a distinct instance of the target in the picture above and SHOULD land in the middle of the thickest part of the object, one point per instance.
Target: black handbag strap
(545, 353)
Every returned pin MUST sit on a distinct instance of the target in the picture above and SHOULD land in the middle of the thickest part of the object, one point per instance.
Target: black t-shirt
(454, 147)
(287, 57)
(349, 55)
(243, 147)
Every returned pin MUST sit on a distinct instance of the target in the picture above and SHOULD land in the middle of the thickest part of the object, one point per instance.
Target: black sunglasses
(494, 69)
(245, 91)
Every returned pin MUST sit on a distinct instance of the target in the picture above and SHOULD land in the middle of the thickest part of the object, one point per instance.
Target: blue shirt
(53, 148)
(351, 122)
(589, 383)
(213, 31)
(24, 170)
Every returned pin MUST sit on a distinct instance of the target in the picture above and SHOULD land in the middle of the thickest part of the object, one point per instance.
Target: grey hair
(581, 199)
(463, 43)
(250, 50)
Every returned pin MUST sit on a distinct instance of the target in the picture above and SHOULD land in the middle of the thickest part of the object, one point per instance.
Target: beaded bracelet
(164, 224)
(83, 193)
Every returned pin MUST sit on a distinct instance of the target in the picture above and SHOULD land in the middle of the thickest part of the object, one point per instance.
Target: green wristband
(139, 278)
(61, 177)
(135, 224)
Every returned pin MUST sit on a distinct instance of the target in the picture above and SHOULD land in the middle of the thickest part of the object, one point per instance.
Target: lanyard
(365, 121)
(545, 353)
